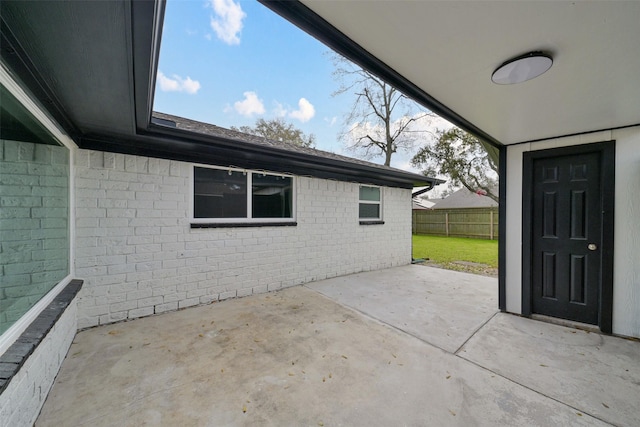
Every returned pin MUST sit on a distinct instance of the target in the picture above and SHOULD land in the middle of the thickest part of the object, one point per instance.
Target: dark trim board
(607, 157)
(244, 224)
(527, 194)
(146, 38)
(502, 230)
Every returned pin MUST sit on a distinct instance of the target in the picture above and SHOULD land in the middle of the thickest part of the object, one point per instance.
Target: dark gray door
(566, 221)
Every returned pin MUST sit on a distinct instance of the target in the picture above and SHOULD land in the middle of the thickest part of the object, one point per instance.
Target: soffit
(449, 49)
(81, 52)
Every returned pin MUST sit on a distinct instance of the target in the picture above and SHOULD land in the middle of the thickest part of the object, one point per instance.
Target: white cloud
(305, 111)
(430, 123)
(422, 129)
(279, 110)
(331, 120)
(227, 22)
(177, 84)
(250, 105)
(358, 130)
(408, 166)
(402, 160)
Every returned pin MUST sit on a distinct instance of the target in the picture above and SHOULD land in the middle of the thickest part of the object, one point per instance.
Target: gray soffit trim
(20, 65)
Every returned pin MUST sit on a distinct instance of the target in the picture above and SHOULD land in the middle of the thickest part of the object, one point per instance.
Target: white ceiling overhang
(449, 49)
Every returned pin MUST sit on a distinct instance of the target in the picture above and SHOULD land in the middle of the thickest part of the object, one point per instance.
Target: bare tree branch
(380, 120)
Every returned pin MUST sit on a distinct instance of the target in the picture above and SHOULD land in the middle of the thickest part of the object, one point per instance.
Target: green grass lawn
(449, 249)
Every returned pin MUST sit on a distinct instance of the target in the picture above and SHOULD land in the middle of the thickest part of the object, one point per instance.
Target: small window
(370, 207)
(229, 195)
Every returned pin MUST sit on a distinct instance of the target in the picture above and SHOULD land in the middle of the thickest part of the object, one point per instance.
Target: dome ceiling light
(522, 68)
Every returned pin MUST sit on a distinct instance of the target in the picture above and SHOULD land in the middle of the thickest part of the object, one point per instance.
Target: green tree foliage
(278, 130)
(382, 120)
(461, 157)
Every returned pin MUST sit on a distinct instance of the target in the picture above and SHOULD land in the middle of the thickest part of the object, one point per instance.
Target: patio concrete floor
(410, 346)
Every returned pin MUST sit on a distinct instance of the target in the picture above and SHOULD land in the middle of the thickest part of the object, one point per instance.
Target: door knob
(592, 246)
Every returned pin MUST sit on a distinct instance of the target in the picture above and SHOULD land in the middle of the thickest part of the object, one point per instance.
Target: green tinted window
(34, 213)
(369, 211)
(370, 193)
(370, 206)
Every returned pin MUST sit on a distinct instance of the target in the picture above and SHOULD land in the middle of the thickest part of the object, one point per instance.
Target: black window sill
(371, 222)
(15, 356)
(244, 224)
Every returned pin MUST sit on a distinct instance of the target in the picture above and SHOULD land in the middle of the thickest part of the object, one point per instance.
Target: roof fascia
(307, 20)
(311, 160)
(207, 150)
(419, 192)
(146, 35)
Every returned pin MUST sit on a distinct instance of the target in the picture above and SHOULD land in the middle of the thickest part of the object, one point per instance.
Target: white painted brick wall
(139, 256)
(23, 398)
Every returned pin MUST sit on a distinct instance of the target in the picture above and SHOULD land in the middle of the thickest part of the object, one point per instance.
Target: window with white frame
(370, 206)
(233, 195)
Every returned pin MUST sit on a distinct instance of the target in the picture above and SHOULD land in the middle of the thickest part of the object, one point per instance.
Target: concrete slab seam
(475, 332)
(536, 391)
(381, 322)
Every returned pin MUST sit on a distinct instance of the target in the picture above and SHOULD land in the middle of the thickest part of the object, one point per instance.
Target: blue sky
(265, 68)
(230, 62)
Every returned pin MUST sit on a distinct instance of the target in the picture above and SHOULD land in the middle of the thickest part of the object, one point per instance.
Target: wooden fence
(479, 223)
